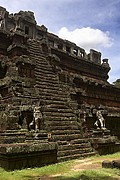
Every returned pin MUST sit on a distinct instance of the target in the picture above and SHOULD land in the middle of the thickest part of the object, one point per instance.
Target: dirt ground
(87, 164)
(83, 164)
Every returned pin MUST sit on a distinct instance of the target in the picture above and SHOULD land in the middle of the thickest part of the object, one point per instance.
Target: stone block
(107, 164)
(116, 163)
(20, 156)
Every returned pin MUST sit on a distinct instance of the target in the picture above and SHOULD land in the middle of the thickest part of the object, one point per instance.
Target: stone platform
(19, 156)
(111, 164)
(23, 149)
(104, 143)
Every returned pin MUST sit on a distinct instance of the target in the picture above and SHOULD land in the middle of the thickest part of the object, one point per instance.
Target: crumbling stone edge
(111, 164)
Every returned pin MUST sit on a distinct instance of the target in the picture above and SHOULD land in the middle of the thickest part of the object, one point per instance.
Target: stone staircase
(59, 119)
(22, 136)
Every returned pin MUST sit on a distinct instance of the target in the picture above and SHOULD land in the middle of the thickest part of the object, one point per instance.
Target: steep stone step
(9, 137)
(69, 157)
(35, 46)
(49, 101)
(48, 82)
(60, 119)
(65, 137)
(54, 119)
(75, 146)
(48, 77)
(50, 88)
(12, 139)
(40, 74)
(70, 151)
(46, 87)
(67, 131)
(62, 143)
(12, 133)
(41, 60)
(61, 114)
(50, 98)
(46, 71)
(63, 128)
(59, 109)
(75, 156)
(79, 141)
(35, 49)
(53, 84)
(36, 141)
(32, 52)
(55, 101)
(63, 122)
(45, 67)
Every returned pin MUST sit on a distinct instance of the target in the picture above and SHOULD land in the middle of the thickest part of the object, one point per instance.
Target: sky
(91, 24)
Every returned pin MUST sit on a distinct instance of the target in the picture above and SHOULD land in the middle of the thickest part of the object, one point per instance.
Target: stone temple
(55, 101)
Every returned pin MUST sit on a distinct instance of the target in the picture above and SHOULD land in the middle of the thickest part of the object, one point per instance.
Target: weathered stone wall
(50, 84)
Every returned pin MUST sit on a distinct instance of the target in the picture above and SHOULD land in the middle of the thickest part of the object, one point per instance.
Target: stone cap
(26, 147)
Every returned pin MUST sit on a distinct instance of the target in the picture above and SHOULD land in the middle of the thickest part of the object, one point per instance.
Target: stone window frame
(26, 70)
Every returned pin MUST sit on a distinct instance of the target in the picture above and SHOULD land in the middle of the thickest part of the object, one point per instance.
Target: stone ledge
(104, 140)
(26, 147)
(111, 164)
(20, 156)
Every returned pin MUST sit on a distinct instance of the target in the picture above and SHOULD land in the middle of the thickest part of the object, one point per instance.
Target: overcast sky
(91, 24)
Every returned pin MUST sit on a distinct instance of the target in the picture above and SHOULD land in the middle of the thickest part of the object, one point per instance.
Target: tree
(117, 83)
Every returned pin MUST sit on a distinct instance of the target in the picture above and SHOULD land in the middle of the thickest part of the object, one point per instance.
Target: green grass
(63, 171)
(36, 172)
(109, 156)
(104, 174)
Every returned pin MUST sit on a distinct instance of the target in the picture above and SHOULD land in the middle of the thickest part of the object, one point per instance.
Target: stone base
(111, 164)
(106, 145)
(20, 156)
(102, 141)
(101, 133)
(107, 164)
(109, 148)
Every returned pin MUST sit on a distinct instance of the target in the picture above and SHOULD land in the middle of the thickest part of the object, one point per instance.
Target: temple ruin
(55, 101)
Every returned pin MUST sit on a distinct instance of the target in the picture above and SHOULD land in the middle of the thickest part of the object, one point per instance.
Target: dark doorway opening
(27, 30)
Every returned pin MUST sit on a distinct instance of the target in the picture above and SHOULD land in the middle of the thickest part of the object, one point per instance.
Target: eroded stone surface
(111, 164)
(51, 85)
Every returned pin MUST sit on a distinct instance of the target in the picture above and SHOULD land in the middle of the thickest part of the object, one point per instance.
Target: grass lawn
(79, 169)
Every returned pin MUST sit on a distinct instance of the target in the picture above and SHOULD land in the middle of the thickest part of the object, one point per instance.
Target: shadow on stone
(111, 164)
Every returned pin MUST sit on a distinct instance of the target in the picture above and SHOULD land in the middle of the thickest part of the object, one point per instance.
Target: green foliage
(34, 173)
(108, 156)
(117, 83)
(103, 174)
